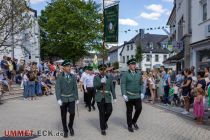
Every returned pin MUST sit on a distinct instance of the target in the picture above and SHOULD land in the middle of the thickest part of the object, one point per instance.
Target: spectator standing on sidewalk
(4, 65)
(186, 89)
(166, 85)
(25, 85)
(199, 105)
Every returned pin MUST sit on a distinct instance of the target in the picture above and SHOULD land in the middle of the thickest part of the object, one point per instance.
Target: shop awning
(175, 58)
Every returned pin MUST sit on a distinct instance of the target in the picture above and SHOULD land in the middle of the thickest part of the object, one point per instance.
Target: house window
(123, 59)
(131, 47)
(148, 58)
(156, 58)
(204, 11)
(165, 57)
(132, 56)
(128, 48)
(127, 57)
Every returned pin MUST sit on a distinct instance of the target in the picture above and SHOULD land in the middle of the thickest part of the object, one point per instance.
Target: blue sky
(134, 14)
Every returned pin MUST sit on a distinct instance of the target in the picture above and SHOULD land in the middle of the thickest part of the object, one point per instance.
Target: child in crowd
(199, 105)
(174, 91)
(25, 85)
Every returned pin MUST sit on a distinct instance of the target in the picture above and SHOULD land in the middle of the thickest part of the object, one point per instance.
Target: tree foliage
(138, 51)
(70, 28)
(13, 21)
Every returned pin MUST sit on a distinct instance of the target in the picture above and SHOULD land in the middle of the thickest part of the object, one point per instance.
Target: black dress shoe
(135, 126)
(93, 107)
(103, 132)
(106, 126)
(130, 129)
(65, 135)
(71, 131)
(89, 109)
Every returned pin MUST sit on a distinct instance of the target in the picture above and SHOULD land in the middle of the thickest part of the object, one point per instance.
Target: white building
(183, 27)
(153, 51)
(114, 54)
(200, 33)
(28, 45)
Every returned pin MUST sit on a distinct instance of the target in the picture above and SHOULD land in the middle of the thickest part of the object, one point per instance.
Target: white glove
(125, 98)
(60, 102)
(115, 100)
(85, 90)
(142, 96)
(77, 102)
(103, 80)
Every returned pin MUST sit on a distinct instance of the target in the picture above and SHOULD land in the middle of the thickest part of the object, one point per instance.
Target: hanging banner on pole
(111, 17)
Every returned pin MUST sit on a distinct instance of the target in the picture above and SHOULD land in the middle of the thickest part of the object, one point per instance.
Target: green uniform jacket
(108, 90)
(131, 85)
(66, 88)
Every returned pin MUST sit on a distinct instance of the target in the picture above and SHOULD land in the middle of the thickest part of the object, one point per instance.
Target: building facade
(200, 34)
(153, 51)
(27, 42)
(114, 54)
(184, 28)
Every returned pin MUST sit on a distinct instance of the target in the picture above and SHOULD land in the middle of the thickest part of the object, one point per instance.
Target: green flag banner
(111, 16)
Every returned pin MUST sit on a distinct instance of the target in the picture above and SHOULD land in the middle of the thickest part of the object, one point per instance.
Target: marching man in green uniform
(130, 88)
(67, 95)
(104, 94)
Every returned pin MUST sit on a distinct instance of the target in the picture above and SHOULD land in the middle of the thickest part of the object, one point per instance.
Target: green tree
(138, 51)
(116, 65)
(70, 28)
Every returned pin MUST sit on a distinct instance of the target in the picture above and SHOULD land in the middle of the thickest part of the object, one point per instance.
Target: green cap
(66, 63)
(131, 61)
(89, 68)
(102, 67)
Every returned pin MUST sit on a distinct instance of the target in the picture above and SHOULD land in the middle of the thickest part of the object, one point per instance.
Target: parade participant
(104, 88)
(67, 95)
(89, 89)
(82, 79)
(130, 88)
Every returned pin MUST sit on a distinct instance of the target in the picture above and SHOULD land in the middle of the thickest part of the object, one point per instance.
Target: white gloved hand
(142, 96)
(103, 80)
(77, 102)
(125, 98)
(60, 102)
(115, 100)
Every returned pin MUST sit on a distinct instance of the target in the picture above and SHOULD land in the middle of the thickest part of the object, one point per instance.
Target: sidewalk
(178, 111)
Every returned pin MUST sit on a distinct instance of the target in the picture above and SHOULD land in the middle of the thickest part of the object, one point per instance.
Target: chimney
(141, 32)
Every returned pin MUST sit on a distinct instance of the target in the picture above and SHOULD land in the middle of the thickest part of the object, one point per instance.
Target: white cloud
(151, 16)
(36, 1)
(128, 22)
(156, 8)
(168, 1)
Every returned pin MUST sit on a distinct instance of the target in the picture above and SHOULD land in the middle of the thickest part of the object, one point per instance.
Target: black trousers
(105, 111)
(138, 107)
(70, 107)
(90, 96)
(85, 95)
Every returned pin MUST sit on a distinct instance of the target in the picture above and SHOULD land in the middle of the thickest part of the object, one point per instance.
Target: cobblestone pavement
(44, 114)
